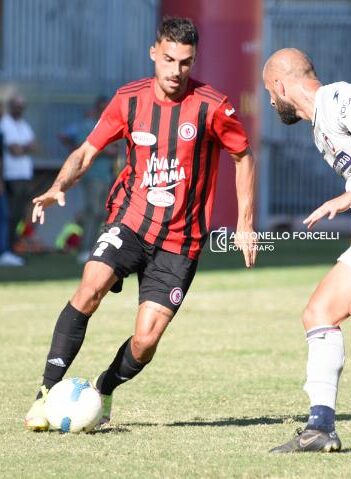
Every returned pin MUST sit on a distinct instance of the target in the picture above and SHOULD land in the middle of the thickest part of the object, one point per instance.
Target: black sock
(66, 342)
(122, 368)
(321, 418)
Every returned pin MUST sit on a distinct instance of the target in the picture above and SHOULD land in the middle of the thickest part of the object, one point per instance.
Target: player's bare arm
(77, 163)
(330, 208)
(245, 188)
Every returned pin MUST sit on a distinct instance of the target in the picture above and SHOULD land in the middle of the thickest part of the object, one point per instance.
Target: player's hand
(246, 240)
(41, 202)
(330, 208)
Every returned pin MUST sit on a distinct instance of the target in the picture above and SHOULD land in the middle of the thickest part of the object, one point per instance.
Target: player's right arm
(108, 129)
(73, 168)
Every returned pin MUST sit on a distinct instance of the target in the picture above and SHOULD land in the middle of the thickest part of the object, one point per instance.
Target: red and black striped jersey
(166, 191)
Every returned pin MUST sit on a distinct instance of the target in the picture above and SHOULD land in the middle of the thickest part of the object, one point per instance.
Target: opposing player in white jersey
(296, 93)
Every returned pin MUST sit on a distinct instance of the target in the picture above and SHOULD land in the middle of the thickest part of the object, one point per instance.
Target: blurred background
(61, 55)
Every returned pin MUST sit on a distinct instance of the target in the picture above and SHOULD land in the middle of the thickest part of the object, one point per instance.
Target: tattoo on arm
(70, 172)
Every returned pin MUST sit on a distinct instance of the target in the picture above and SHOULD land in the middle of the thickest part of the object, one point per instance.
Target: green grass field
(224, 387)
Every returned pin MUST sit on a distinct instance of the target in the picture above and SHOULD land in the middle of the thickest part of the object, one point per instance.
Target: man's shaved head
(286, 73)
(289, 62)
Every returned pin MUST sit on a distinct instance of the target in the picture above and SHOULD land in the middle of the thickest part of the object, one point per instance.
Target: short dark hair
(177, 29)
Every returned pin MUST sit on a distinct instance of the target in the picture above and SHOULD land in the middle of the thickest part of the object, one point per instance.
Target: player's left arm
(231, 136)
(330, 209)
(245, 179)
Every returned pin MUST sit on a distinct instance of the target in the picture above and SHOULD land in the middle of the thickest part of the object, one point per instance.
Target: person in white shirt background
(296, 93)
(18, 146)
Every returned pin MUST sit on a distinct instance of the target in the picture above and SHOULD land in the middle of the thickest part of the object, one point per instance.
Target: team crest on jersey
(187, 131)
(176, 296)
(143, 138)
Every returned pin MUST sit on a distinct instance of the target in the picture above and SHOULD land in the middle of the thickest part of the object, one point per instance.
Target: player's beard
(175, 90)
(286, 112)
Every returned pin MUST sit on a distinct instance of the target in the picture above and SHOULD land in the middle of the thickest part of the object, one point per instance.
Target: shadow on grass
(55, 266)
(110, 430)
(235, 421)
(103, 430)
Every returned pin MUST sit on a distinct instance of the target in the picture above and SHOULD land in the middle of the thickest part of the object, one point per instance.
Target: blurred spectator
(7, 258)
(96, 181)
(18, 145)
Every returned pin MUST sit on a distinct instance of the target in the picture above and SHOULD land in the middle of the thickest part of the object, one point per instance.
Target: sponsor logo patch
(160, 197)
(143, 138)
(342, 163)
(176, 296)
(187, 131)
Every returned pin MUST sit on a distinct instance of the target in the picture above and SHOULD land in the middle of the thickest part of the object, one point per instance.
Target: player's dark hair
(179, 30)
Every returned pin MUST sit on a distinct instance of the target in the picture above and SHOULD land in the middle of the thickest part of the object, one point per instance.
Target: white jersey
(332, 127)
(16, 132)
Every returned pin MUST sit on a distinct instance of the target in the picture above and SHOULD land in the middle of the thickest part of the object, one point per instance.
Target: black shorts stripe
(132, 106)
(149, 211)
(194, 178)
(202, 211)
(171, 154)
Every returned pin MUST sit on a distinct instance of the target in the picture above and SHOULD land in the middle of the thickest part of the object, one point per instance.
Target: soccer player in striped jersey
(159, 208)
(296, 93)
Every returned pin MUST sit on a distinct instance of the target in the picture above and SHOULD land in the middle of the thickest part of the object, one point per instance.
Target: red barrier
(228, 59)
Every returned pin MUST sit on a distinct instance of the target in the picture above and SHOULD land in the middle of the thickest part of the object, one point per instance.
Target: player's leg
(329, 305)
(163, 285)
(69, 334)
(116, 254)
(138, 350)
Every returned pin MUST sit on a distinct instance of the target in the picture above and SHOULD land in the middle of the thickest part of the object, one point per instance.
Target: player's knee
(317, 313)
(144, 346)
(87, 298)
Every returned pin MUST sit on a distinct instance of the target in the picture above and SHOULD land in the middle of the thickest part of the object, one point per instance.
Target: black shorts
(164, 277)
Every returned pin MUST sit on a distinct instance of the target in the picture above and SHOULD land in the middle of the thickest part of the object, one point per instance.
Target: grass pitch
(224, 387)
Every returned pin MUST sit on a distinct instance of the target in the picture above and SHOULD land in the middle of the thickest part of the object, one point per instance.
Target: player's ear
(279, 87)
(153, 53)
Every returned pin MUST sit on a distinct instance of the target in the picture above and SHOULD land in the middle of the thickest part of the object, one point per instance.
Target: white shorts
(346, 257)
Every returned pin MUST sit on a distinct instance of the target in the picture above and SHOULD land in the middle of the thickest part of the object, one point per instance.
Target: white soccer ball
(73, 405)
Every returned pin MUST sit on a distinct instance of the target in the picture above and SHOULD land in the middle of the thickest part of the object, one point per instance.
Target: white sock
(326, 356)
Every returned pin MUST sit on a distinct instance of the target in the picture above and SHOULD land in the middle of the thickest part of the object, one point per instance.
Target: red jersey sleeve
(110, 126)
(228, 130)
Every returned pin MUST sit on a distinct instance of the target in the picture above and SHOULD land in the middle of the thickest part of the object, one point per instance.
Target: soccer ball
(73, 405)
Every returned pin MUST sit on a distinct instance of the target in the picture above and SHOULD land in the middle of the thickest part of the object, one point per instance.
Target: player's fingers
(253, 255)
(309, 218)
(246, 253)
(35, 213)
(311, 223)
(34, 216)
(315, 216)
(60, 198)
(42, 217)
